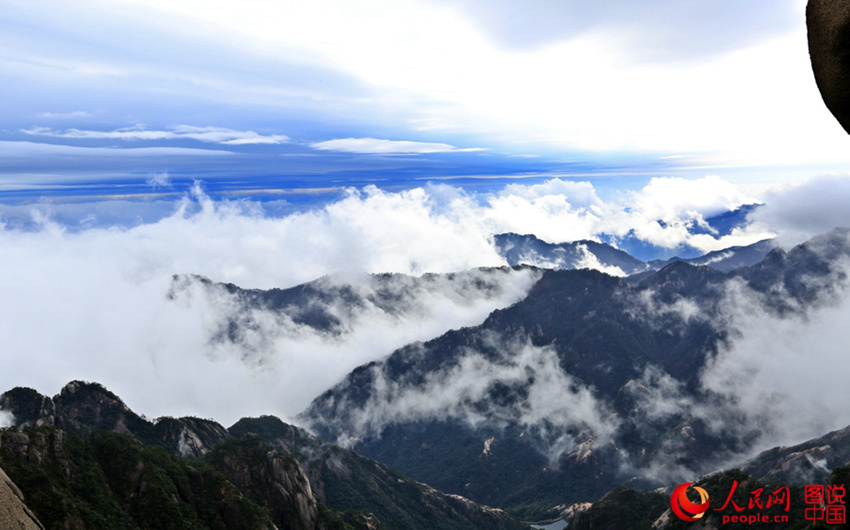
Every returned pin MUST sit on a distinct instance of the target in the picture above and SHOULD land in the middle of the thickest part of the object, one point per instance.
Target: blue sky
(282, 95)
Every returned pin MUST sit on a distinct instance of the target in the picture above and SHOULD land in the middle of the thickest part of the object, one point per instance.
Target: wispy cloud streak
(219, 135)
(378, 146)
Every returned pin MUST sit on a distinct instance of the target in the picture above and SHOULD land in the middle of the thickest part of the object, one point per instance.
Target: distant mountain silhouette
(529, 250)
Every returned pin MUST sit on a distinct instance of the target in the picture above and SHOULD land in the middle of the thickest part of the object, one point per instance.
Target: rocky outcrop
(14, 514)
(189, 437)
(28, 407)
(271, 478)
(805, 463)
(344, 480)
(828, 23)
(81, 407)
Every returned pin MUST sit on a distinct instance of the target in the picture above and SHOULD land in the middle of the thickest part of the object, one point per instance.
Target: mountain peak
(84, 390)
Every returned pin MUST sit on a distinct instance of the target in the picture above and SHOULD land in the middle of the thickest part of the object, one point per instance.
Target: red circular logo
(684, 508)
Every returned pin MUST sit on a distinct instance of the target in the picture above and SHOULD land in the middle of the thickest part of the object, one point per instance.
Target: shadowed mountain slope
(589, 382)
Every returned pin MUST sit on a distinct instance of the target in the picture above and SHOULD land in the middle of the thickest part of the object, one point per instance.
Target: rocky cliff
(14, 514)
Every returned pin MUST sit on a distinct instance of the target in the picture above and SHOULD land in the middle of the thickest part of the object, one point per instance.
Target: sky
(101, 98)
(269, 143)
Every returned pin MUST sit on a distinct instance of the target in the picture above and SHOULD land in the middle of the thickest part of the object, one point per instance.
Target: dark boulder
(828, 23)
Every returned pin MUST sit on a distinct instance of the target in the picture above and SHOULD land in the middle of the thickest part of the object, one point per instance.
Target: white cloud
(590, 261)
(608, 84)
(556, 211)
(369, 318)
(101, 290)
(378, 146)
(804, 209)
(670, 198)
(102, 294)
(6, 419)
(219, 135)
(785, 374)
(660, 396)
(556, 409)
(227, 136)
(159, 180)
(560, 211)
(73, 115)
(687, 31)
(666, 209)
(30, 149)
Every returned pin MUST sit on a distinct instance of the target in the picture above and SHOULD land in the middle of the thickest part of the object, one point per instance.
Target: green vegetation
(622, 509)
(108, 480)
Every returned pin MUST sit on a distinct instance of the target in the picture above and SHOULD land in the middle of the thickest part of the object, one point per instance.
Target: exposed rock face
(192, 437)
(345, 480)
(273, 479)
(14, 514)
(828, 24)
(808, 462)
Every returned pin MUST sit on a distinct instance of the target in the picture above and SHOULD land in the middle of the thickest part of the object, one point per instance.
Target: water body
(557, 525)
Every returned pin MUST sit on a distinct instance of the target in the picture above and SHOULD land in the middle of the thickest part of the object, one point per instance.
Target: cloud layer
(786, 374)
(556, 410)
(218, 135)
(89, 301)
(557, 80)
(378, 146)
(806, 208)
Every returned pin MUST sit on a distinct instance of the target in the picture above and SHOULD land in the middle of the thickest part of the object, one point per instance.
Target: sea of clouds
(91, 301)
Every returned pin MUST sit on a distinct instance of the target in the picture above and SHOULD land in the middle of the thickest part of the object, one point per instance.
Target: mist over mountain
(339, 306)
(553, 386)
(449, 265)
(529, 250)
(822, 460)
(510, 385)
(303, 339)
(63, 266)
(591, 381)
(716, 224)
(585, 254)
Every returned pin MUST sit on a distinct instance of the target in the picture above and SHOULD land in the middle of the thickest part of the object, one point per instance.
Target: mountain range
(588, 382)
(585, 254)
(577, 385)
